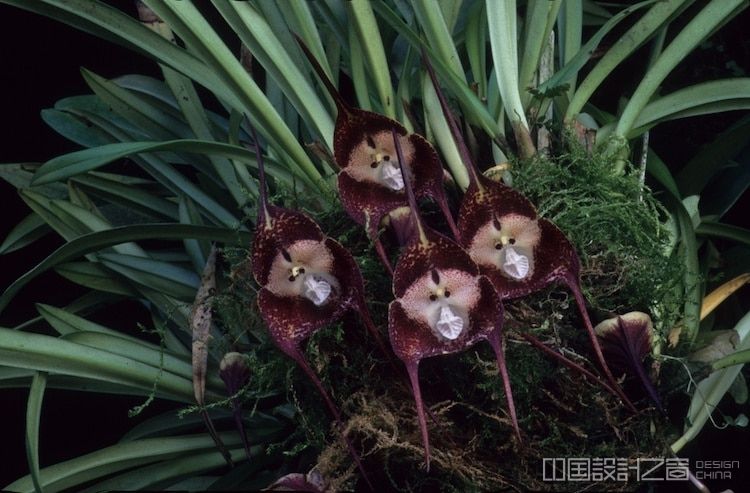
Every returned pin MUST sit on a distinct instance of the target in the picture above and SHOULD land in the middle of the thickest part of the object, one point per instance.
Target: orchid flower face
(442, 300)
(304, 269)
(374, 161)
(507, 244)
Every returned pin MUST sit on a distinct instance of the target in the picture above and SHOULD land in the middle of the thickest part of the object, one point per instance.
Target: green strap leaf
(725, 231)
(694, 176)
(51, 354)
(93, 242)
(33, 414)
(75, 163)
(645, 28)
(165, 277)
(117, 458)
(363, 21)
(712, 16)
(27, 231)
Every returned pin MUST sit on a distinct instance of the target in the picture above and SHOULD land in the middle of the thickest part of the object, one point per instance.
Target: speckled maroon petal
(496, 200)
(347, 272)
(367, 203)
(554, 258)
(286, 227)
(290, 320)
(415, 261)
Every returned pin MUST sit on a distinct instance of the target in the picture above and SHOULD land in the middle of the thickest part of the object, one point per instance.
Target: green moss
(616, 225)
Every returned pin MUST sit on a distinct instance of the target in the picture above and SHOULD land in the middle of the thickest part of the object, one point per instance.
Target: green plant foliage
(165, 171)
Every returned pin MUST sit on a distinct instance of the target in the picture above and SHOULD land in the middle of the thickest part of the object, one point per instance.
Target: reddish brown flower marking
(530, 252)
(370, 184)
(443, 305)
(307, 280)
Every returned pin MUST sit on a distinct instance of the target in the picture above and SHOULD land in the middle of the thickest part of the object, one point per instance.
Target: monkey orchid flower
(370, 182)
(308, 281)
(517, 250)
(443, 305)
(626, 341)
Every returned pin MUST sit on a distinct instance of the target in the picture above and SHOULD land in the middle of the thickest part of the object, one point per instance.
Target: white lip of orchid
(390, 175)
(449, 324)
(316, 289)
(516, 265)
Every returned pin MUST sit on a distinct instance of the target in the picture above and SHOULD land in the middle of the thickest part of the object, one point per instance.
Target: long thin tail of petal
(297, 356)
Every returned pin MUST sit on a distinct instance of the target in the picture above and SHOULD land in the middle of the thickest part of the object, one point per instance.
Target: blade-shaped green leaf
(33, 415)
(127, 195)
(161, 276)
(55, 355)
(93, 242)
(27, 231)
(726, 231)
(93, 275)
(116, 458)
(78, 162)
(154, 476)
(694, 176)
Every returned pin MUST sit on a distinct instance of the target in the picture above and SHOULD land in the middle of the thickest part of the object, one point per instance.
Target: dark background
(40, 64)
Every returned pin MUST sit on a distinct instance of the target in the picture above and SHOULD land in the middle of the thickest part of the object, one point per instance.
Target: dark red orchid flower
(308, 281)
(517, 250)
(443, 305)
(626, 341)
(370, 181)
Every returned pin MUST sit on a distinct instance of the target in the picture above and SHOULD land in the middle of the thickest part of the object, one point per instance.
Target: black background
(40, 62)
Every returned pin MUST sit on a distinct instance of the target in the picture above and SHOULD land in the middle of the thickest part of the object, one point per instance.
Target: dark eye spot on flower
(374, 164)
(301, 270)
(447, 293)
(291, 278)
(286, 255)
(512, 241)
(433, 297)
(498, 246)
(386, 158)
(496, 223)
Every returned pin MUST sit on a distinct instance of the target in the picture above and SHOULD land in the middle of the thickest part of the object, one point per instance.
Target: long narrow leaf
(726, 231)
(27, 231)
(33, 415)
(113, 459)
(645, 28)
(55, 355)
(79, 162)
(93, 242)
(714, 14)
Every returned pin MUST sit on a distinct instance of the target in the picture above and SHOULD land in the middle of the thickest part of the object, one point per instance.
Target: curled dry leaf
(200, 325)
